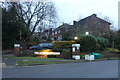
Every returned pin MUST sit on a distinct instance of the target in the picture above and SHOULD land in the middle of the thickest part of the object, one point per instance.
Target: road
(97, 69)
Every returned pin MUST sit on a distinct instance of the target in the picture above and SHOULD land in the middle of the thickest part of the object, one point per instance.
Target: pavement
(98, 69)
(6, 62)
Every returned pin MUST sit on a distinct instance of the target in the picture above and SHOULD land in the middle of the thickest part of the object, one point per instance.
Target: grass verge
(29, 63)
(13, 57)
(115, 58)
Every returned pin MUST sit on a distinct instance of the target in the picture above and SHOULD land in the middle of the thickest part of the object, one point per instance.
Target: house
(57, 34)
(45, 35)
(91, 24)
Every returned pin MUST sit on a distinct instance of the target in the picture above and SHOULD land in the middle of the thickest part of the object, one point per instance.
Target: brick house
(58, 33)
(91, 24)
(45, 35)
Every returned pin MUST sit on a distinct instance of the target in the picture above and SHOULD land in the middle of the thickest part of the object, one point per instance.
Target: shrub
(82, 55)
(102, 43)
(112, 49)
(28, 53)
(64, 47)
(67, 53)
(87, 42)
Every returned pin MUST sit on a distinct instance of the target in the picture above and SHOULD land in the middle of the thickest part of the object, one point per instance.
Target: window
(59, 31)
(52, 38)
(60, 38)
(66, 30)
(52, 33)
(55, 32)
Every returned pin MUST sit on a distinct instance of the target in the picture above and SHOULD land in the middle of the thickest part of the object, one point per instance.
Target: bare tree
(106, 18)
(50, 20)
(33, 13)
(52, 15)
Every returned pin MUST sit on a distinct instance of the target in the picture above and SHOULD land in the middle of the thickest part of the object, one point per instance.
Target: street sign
(47, 53)
(16, 45)
(75, 45)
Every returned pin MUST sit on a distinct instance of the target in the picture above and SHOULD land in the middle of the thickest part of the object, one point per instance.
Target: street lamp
(87, 33)
(75, 38)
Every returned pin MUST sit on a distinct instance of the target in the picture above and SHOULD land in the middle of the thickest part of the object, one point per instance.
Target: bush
(113, 49)
(64, 47)
(102, 43)
(28, 53)
(82, 55)
(88, 43)
(62, 44)
(67, 53)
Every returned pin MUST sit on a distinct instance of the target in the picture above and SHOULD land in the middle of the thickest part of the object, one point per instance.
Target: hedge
(28, 53)
(64, 47)
(62, 44)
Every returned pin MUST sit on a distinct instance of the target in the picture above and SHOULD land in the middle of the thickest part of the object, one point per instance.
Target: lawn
(13, 57)
(29, 63)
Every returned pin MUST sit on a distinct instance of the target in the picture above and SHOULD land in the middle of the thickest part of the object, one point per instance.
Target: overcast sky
(69, 10)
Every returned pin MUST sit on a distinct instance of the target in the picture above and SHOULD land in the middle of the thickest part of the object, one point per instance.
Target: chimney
(94, 15)
(74, 22)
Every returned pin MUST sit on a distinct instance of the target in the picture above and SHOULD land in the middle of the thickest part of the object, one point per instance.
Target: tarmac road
(97, 69)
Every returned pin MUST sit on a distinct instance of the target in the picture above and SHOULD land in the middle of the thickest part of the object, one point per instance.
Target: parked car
(42, 46)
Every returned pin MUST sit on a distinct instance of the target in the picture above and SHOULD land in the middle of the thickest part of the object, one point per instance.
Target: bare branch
(34, 13)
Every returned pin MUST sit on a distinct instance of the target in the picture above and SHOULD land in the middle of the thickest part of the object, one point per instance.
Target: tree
(66, 37)
(13, 30)
(33, 13)
(111, 36)
(117, 41)
(106, 18)
(102, 43)
(10, 30)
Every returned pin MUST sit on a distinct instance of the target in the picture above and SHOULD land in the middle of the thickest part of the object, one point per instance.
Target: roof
(64, 25)
(94, 15)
